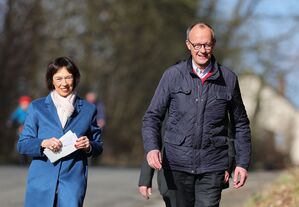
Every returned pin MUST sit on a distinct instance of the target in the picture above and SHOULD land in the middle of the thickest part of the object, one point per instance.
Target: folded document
(68, 146)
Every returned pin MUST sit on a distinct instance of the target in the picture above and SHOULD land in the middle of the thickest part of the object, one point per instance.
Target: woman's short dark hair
(59, 63)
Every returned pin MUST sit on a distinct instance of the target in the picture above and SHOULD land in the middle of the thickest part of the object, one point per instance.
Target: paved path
(107, 187)
(114, 187)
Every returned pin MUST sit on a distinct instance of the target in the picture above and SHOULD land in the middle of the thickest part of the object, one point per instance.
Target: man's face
(201, 45)
(91, 97)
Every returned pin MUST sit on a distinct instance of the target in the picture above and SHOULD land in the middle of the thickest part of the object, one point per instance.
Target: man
(147, 173)
(200, 97)
(91, 97)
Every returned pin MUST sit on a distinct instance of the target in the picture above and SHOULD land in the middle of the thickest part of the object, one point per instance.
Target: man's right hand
(154, 159)
(145, 191)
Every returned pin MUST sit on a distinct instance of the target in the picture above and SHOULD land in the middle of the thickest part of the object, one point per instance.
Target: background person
(19, 114)
(64, 182)
(17, 118)
(91, 97)
(200, 97)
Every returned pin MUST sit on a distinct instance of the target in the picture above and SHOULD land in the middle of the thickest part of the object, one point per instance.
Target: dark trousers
(189, 190)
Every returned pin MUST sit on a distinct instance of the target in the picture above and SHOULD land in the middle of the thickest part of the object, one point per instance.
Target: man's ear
(214, 43)
(188, 45)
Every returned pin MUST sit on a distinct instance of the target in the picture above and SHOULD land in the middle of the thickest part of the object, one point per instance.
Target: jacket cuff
(243, 166)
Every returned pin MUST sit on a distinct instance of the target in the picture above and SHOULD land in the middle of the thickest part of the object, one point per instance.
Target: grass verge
(284, 192)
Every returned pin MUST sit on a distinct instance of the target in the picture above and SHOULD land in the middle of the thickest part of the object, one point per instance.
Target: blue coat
(67, 176)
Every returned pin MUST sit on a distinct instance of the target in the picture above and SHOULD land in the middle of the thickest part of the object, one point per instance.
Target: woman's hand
(53, 144)
(83, 143)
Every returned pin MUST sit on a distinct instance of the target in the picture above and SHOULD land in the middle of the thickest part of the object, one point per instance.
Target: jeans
(193, 190)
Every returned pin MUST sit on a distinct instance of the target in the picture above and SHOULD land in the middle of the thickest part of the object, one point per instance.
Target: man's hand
(240, 177)
(226, 176)
(154, 159)
(145, 191)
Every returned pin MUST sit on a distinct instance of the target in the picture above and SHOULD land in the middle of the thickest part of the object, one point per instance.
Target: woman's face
(63, 82)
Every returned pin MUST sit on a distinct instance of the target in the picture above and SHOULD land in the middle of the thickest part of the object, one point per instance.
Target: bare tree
(20, 43)
(122, 49)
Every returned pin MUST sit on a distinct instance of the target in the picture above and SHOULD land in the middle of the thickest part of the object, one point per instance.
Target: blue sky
(272, 19)
(290, 47)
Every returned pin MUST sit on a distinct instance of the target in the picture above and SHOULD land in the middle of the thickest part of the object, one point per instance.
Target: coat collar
(77, 103)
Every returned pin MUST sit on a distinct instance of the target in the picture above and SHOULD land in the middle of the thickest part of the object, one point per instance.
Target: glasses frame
(67, 79)
(198, 46)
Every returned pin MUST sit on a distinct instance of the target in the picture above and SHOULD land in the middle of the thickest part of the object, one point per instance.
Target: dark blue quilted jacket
(196, 128)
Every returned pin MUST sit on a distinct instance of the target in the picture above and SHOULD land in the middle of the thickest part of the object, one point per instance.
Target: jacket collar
(215, 68)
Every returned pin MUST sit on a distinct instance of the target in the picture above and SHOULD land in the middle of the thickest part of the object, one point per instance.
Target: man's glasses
(198, 46)
(67, 79)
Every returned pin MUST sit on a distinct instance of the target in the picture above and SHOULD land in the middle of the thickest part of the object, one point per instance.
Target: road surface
(107, 187)
(115, 187)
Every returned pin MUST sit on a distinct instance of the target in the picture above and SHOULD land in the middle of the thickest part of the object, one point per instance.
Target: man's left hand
(240, 177)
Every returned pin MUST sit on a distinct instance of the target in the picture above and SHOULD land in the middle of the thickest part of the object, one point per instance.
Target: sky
(273, 21)
(291, 47)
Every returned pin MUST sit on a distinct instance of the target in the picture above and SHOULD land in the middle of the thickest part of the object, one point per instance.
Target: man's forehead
(200, 29)
(201, 33)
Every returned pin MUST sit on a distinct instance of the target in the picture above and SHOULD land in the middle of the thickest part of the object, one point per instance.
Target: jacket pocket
(223, 96)
(179, 102)
(219, 98)
(181, 89)
(174, 138)
(220, 141)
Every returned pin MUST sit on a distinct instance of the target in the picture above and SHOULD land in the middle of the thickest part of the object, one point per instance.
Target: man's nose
(202, 49)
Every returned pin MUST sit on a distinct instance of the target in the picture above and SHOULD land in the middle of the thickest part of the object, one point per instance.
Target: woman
(62, 183)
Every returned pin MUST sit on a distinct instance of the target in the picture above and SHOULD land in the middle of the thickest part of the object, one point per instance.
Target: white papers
(68, 146)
